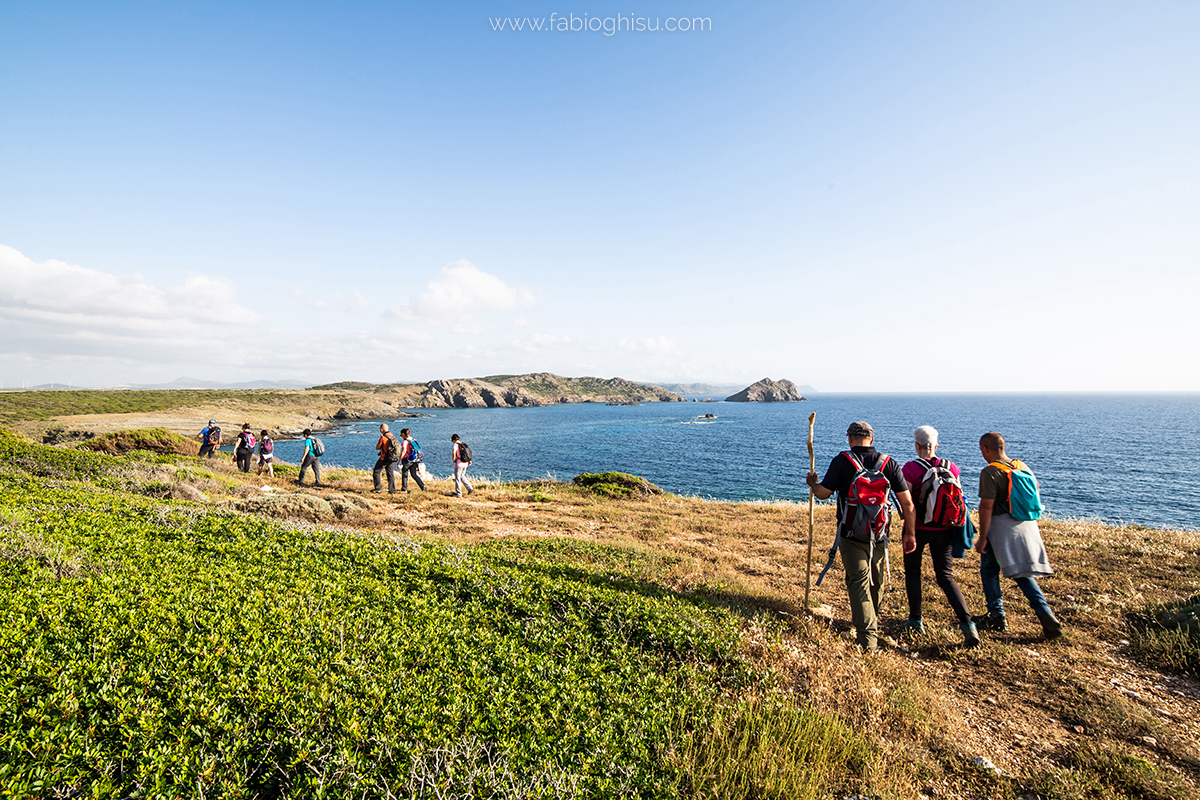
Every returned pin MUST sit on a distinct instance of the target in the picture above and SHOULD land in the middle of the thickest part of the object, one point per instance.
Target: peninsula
(63, 416)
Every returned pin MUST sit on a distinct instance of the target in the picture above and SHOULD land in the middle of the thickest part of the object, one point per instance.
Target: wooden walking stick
(812, 467)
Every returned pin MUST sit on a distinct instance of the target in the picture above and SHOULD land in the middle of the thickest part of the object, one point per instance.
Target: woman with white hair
(937, 492)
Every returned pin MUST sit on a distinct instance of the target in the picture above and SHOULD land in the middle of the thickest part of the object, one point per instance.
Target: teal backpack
(1024, 499)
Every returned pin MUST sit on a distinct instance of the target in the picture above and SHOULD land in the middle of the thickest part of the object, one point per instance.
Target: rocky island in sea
(768, 391)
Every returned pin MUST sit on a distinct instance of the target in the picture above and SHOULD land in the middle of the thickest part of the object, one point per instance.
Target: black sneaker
(1051, 627)
(987, 622)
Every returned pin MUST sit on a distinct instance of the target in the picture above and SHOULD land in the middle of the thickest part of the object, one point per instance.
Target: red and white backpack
(868, 511)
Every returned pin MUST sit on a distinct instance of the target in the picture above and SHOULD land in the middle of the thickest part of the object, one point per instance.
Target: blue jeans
(989, 573)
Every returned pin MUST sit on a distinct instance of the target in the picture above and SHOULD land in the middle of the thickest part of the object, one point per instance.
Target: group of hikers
(929, 493)
(927, 489)
(404, 451)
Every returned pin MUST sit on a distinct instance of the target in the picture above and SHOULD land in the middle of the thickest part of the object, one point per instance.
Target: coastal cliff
(493, 391)
(768, 391)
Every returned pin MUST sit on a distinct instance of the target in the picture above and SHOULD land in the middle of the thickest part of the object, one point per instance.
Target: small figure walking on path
(210, 439)
(862, 477)
(410, 460)
(244, 449)
(1009, 541)
(460, 454)
(266, 454)
(313, 450)
(941, 514)
(389, 454)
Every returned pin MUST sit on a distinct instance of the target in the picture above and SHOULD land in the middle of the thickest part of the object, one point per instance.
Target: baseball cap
(860, 428)
(212, 422)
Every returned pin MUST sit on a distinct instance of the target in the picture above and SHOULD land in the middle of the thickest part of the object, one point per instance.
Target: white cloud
(58, 293)
(657, 346)
(55, 309)
(462, 293)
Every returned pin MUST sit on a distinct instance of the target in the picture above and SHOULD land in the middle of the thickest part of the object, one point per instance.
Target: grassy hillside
(535, 640)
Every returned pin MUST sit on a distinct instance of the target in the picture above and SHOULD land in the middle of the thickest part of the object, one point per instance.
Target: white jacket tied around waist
(1018, 547)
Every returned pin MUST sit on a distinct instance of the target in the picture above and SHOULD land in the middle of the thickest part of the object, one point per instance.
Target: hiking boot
(970, 635)
(913, 626)
(1051, 627)
(987, 622)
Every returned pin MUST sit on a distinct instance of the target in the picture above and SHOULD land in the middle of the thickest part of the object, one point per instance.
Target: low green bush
(1168, 635)
(615, 484)
(154, 440)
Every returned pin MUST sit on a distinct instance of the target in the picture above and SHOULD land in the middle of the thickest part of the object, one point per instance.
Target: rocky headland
(768, 391)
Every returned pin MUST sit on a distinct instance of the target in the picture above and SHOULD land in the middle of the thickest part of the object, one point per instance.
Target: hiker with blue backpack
(210, 439)
(410, 461)
(864, 480)
(941, 517)
(314, 448)
(1010, 542)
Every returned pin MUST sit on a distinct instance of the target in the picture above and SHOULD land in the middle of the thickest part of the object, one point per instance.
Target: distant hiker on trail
(389, 454)
(266, 454)
(410, 460)
(313, 450)
(460, 454)
(210, 439)
(1010, 504)
(862, 477)
(941, 514)
(244, 449)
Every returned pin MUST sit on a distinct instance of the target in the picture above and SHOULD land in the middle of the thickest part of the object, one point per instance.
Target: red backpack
(868, 511)
(940, 495)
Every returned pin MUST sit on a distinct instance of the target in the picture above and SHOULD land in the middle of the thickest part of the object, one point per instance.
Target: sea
(1119, 458)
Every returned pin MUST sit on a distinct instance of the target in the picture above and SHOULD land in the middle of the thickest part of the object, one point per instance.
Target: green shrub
(1168, 635)
(154, 440)
(616, 484)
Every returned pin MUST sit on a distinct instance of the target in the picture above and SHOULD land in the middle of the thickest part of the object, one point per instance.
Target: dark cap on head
(860, 428)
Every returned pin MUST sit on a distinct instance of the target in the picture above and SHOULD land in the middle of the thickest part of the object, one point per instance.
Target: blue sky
(858, 196)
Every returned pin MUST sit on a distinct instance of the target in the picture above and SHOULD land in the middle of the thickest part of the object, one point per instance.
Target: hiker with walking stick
(862, 478)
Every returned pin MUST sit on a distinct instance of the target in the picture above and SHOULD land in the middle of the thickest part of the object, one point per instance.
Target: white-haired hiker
(937, 493)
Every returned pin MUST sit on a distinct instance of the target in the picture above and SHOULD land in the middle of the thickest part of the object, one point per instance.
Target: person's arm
(985, 522)
(909, 511)
(819, 491)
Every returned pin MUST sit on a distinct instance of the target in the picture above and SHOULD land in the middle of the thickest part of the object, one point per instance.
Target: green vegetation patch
(19, 454)
(1168, 635)
(616, 484)
(43, 405)
(153, 440)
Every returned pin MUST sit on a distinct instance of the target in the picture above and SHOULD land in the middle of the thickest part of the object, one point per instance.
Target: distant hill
(491, 391)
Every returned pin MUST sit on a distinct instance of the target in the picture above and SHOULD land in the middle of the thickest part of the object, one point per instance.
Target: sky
(859, 196)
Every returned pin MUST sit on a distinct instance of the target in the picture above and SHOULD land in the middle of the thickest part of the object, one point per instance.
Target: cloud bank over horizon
(67, 323)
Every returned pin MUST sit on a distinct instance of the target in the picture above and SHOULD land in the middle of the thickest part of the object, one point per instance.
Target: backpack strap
(858, 467)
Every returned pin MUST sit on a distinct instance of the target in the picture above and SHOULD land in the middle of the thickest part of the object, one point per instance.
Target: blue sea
(1119, 458)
